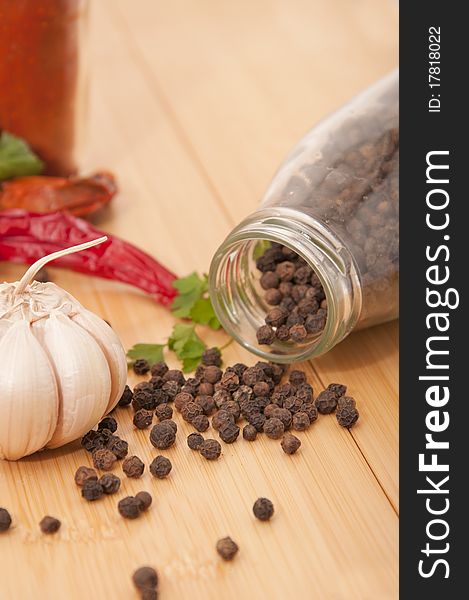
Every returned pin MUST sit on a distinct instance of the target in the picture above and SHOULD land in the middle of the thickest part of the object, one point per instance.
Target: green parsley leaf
(190, 364)
(16, 158)
(193, 301)
(190, 289)
(202, 312)
(153, 353)
(187, 346)
(260, 247)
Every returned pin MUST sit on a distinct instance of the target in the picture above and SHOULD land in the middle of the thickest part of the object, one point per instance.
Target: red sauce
(39, 61)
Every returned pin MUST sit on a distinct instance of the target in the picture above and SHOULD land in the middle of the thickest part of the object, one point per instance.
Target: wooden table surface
(193, 106)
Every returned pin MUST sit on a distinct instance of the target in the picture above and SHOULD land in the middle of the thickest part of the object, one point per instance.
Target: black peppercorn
(210, 449)
(163, 435)
(164, 412)
(261, 388)
(206, 388)
(310, 410)
(144, 397)
(326, 402)
(221, 396)
(285, 270)
(269, 279)
(110, 483)
(160, 467)
(222, 418)
(257, 420)
(143, 418)
(290, 443)
(305, 392)
(273, 297)
(172, 425)
(276, 316)
(171, 388)
(90, 440)
(181, 399)
(274, 428)
(346, 401)
(252, 375)
(129, 507)
(159, 369)
(127, 396)
(141, 366)
(175, 375)
(191, 386)
(229, 381)
(269, 410)
(283, 414)
(207, 403)
(119, 447)
(145, 577)
(103, 459)
(194, 441)
(249, 432)
(263, 509)
(229, 433)
(49, 525)
(5, 520)
(133, 467)
(347, 415)
(233, 408)
(161, 396)
(145, 500)
(201, 423)
(83, 474)
(108, 423)
(92, 490)
(212, 374)
(293, 404)
(300, 421)
(298, 333)
(265, 335)
(338, 388)
(297, 377)
(239, 369)
(226, 548)
(243, 393)
(156, 382)
(315, 323)
(191, 410)
(211, 356)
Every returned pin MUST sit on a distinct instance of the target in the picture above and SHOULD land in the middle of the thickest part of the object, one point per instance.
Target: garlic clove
(29, 401)
(82, 375)
(112, 350)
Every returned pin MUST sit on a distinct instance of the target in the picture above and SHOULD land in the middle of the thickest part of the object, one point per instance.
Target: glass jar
(42, 80)
(335, 202)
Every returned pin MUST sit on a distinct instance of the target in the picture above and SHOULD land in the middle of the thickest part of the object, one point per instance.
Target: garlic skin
(62, 368)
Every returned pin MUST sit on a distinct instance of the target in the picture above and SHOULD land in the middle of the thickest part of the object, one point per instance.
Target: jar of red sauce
(42, 83)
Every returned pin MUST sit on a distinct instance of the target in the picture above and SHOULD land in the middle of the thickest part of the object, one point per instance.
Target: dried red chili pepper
(25, 237)
(77, 195)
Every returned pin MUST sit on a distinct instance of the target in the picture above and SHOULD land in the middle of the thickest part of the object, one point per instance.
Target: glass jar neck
(237, 298)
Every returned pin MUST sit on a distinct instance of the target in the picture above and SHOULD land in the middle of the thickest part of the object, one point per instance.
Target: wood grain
(193, 106)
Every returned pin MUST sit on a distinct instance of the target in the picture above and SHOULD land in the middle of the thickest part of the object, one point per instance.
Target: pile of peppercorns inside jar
(295, 293)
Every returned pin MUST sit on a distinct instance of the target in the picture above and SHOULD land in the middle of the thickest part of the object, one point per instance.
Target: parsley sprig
(192, 304)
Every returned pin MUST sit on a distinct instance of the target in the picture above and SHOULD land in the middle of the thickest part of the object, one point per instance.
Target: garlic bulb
(62, 368)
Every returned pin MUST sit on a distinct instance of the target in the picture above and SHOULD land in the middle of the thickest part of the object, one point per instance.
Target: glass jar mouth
(238, 298)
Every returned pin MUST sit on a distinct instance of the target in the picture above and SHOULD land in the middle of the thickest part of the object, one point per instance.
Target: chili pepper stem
(35, 267)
